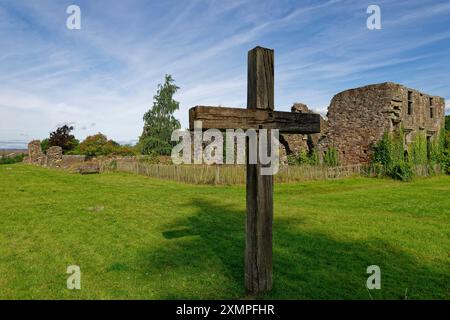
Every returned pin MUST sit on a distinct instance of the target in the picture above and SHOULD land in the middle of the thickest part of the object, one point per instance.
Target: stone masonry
(358, 118)
(54, 156)
(293, 143)
(35, 154)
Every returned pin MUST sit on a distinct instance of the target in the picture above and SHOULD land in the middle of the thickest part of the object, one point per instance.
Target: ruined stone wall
(35, 154)
(416, 112)
(54, 157)
(294, 143)
(358, 118)
(70, 160)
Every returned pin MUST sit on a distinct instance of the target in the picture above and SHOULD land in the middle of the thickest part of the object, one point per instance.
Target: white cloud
(107, 72)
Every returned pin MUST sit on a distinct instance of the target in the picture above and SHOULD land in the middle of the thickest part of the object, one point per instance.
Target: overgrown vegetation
(159, 121)
(10, 160)
(99, 145)
(331, 157)
(303, 157)
(399, 162)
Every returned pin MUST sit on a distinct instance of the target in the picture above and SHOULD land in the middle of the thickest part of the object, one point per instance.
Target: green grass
(141, 238)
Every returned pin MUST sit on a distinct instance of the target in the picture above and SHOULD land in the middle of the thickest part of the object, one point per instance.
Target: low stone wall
(72, 160)
(53, 157)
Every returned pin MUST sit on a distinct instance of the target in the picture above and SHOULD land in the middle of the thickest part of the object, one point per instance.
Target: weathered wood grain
(258, 115)
(233, 118)
(260, 79)
(258, 240)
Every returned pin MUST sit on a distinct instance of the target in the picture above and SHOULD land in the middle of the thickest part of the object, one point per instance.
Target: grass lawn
(139, 238)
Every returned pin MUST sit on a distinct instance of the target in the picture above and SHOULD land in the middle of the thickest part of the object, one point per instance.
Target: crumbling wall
(54, 157)
(71, 160)
(35, 154)
(294, 143)
(358, 118)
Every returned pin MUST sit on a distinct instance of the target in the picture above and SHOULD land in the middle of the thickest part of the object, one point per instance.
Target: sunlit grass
(141, 238)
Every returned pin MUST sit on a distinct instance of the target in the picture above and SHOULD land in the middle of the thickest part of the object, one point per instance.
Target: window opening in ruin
(431, 112)
(410, 103)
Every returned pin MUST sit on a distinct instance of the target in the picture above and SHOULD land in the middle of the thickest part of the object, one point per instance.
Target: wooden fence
(235, 174)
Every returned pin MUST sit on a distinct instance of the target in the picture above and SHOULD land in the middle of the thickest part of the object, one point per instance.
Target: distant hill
(4, 152)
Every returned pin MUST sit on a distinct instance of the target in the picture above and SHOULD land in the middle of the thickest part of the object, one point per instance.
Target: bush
(446, 161)
(331, 157)
(99, 145)
(11, 160)
(45, 144)
(418, 154)
(390, 153)
(401, 171)
(303, 158)
(152, 158)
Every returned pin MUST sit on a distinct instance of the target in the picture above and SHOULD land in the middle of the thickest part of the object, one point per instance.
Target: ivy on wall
(398, 161)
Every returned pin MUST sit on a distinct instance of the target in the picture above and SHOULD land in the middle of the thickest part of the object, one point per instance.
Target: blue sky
(102, 78)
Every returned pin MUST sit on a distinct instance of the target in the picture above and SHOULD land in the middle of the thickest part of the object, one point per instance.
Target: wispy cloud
(107, 72)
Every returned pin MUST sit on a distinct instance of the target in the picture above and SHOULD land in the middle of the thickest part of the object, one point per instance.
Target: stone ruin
(35, 154)
(53, 157)
(294, 143)
(358, 118)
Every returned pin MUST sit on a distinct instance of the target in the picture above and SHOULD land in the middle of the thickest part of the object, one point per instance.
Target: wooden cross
(259, 114)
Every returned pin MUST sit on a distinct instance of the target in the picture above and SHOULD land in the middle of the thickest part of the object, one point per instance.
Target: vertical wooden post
(258, 244)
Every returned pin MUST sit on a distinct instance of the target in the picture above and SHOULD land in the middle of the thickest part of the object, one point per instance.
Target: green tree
(61, 137)
(45, 144)
(159, 121)
(447, 122)
(99, 145)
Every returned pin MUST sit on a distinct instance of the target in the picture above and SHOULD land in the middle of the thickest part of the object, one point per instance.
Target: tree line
(155, 140)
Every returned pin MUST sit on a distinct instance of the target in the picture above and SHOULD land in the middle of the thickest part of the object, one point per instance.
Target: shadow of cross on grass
(204, 259)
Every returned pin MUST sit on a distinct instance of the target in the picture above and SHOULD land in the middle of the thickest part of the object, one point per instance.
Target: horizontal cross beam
(236, 118)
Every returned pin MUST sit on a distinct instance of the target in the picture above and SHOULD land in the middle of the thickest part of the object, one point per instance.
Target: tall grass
(236, 174)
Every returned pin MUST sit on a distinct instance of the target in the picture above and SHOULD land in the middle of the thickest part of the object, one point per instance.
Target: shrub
(45, 144)
(382, 151)
(11, 160)
(446, 161)
(152, 158)
(390, 153)
(401, 171)
(303, 157)
(99, 145)
(331, 157)
(418, 154)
